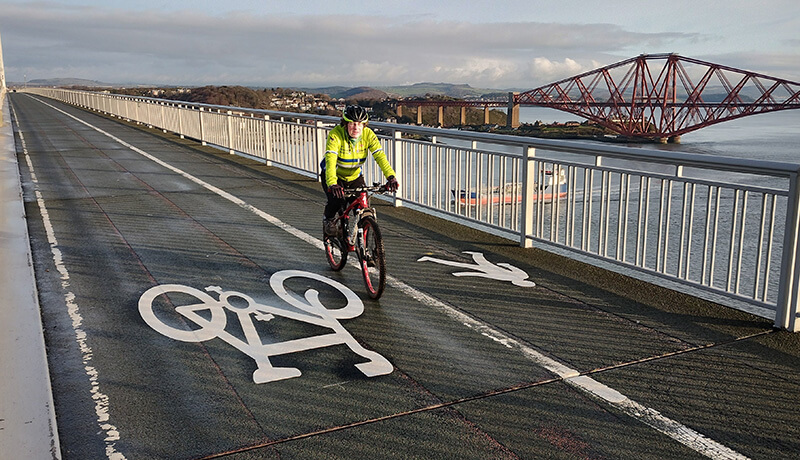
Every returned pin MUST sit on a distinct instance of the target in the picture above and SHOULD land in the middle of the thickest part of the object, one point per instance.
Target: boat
(512, 192)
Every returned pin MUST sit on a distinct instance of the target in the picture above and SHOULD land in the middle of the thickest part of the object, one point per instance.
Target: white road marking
(677, 431)
(311, 311)
(485, 269)
(101, 401)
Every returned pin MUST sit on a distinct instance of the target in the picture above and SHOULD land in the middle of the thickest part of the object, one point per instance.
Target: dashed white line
(101, 401)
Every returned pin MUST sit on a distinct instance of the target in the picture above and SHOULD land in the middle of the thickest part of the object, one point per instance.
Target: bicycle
(359, 233)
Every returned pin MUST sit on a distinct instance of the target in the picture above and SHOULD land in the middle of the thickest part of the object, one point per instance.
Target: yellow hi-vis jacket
(344, 157)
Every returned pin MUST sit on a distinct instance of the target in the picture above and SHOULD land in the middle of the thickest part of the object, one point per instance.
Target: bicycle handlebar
(374, 188)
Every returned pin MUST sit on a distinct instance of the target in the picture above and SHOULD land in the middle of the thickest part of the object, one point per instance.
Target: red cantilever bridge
(651, 96)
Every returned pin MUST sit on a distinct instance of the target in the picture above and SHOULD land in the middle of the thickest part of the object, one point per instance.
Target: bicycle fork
(358, 232)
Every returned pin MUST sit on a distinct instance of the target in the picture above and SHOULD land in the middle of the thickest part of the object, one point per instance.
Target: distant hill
(437, 89)
(346, 92)
(68, 82)
(415, 90)
(459, 91)
(364, 92)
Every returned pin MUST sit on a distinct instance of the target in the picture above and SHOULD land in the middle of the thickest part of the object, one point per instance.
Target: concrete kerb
(27, 414)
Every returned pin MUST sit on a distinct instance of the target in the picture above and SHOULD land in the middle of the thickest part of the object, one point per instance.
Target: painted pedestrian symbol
(485, 269)
(214, 326)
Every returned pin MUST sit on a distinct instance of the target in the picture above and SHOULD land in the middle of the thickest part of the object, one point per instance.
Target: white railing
(717, 225)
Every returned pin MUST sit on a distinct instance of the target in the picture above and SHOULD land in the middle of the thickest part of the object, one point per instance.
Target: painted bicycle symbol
(209, 315)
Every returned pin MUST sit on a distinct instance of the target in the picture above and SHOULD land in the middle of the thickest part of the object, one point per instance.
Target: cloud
(547, 70)
(44, 40)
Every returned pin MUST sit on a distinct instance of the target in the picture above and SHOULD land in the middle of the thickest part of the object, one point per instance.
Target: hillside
(347, 92)
(437, 89)
(64, 82)
(364, 93)
(415, 90)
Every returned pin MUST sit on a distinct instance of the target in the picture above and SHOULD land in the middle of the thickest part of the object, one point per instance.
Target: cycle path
(482, 368)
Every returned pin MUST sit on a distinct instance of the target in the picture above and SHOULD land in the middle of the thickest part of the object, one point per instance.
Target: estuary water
(773, 136)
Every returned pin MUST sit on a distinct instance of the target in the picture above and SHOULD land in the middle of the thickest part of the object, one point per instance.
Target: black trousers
(335, 204)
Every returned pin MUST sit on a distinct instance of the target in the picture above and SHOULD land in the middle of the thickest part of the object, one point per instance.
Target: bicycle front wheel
(372, 257)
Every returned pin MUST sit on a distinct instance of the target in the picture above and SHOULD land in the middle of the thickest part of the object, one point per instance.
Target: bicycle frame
(356, 206)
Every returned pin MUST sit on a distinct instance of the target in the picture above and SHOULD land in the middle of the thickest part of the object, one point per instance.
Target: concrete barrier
(27, 415)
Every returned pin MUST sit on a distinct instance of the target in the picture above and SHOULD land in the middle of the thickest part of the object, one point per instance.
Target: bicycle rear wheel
(336, 248)
(372, 257)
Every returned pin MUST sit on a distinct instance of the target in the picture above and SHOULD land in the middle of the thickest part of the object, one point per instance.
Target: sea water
(773, 136)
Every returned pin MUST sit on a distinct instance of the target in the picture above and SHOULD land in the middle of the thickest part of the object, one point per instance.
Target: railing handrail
(731, 164)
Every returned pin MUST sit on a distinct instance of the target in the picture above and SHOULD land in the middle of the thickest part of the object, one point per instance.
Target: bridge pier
(670, 140)
(441, 116)
(485, 114)
(512, 117)
(399, 111)
(419, 115)
(463, 115)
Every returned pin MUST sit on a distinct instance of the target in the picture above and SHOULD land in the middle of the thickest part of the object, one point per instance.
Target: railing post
(320, 140)
(528, 185)
(230, 133)
(180, 120)
(149, 109)
(202, 133)
(267, 140)
(788, 296)
(397, 149)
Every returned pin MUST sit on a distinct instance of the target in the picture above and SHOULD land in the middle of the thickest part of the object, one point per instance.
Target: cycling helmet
(355, 113)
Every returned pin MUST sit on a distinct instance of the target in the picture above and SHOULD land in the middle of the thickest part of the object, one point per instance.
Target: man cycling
(346, 150)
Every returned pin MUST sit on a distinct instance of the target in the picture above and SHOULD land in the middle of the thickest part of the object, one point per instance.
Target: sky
(505, 44)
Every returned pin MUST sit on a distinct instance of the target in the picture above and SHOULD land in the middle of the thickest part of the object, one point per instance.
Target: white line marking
(683, 434)
(101, 401)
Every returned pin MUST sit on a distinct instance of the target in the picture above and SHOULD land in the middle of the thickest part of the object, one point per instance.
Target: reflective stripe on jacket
(343, 157)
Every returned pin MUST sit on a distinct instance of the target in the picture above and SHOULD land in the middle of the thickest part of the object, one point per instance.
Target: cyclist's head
(354, 118)
(355, 113)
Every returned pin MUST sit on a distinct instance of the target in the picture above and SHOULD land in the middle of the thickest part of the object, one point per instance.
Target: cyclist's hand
(392, 185)
(337, 191)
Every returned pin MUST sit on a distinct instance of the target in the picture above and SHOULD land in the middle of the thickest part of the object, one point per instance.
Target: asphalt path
(129, 226)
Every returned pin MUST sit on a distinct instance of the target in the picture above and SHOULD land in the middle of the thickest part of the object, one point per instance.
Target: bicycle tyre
(372, 257)
(336, 248)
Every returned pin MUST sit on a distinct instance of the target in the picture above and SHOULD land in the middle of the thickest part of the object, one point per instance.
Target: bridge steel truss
(657, 96)
(723, 226)
(664, 95)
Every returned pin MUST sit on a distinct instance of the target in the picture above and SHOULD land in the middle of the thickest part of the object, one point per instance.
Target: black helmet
(355, 113)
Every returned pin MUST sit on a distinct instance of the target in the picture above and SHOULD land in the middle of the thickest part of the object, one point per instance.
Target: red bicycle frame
(358, 202)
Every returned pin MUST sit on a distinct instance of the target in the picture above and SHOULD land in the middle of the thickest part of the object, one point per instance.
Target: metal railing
(718, 225)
